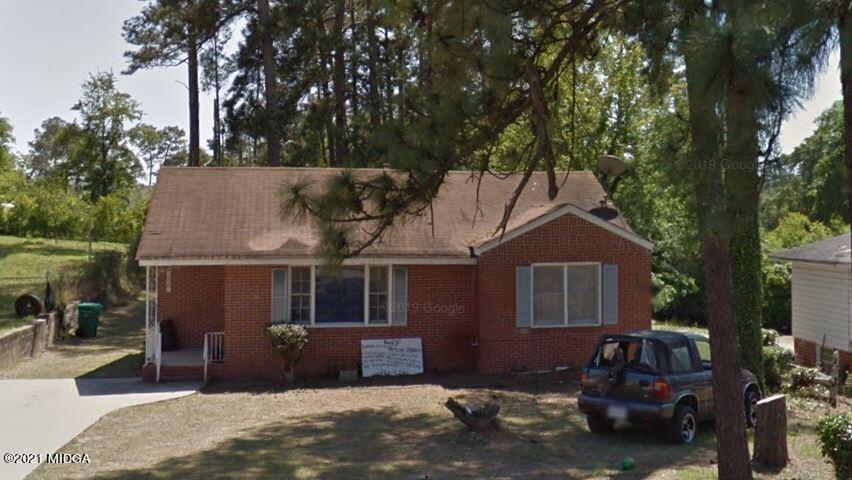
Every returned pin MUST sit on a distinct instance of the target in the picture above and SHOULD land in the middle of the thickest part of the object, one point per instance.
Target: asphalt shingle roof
(831, 250)
(233, 213)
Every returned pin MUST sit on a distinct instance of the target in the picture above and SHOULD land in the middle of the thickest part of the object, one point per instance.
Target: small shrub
(799, 378)
(776, 366)
(769, 336)
(835, 438)
(288, 340)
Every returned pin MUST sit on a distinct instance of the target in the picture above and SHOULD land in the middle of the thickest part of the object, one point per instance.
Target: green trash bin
(89, 315)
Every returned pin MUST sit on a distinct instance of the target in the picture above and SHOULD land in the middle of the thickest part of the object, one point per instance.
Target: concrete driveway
(40, 416)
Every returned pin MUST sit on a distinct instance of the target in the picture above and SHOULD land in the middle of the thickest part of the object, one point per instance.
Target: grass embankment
(32, 257)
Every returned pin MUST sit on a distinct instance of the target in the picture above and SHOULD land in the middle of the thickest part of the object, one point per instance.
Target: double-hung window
(300, 295)
(566, 294)
(343, 296)
(378, 302)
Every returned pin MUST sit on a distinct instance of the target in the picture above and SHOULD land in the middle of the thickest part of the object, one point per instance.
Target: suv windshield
(633, 353)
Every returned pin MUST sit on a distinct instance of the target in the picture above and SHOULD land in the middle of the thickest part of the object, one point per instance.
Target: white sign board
(391, 356)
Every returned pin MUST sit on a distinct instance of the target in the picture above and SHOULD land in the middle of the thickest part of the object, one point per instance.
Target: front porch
(193, 353)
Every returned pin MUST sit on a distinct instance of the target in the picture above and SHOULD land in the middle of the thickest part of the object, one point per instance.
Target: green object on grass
(628, 463)
(89, 315)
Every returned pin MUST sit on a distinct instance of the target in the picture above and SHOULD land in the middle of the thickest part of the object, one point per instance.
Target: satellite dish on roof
(611, 165)
(612, 168)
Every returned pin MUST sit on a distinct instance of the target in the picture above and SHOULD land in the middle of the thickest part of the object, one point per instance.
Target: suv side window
(703, 348)
(680, 359)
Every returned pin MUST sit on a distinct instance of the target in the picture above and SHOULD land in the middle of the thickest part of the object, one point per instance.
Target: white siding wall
(821, 304)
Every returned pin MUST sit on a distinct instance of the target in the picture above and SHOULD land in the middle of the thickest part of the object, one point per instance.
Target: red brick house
(223, 265)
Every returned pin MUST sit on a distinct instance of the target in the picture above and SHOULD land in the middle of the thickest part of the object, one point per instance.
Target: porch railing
(214, 349)
(158, 349)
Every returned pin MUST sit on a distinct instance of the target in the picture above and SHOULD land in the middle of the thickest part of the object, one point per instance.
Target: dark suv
(655, 376)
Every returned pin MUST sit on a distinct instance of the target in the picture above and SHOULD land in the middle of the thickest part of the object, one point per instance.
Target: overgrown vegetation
(33, 257)
(104, 280)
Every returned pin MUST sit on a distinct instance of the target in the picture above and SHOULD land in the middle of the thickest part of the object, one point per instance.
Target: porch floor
(185, 357)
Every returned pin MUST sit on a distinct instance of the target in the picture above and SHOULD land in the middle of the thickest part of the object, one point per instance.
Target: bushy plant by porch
(288, 340)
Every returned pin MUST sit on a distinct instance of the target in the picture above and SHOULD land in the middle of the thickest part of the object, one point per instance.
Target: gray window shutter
(399, 305)
(610, 294)
(279, 296)
(522, 296)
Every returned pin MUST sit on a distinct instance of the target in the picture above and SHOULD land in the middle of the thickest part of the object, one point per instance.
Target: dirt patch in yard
(380, 431)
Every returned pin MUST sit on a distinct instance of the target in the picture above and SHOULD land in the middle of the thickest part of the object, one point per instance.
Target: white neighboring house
(822, 297)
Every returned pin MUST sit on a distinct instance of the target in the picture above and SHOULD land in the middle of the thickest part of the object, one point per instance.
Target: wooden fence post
(770, 433)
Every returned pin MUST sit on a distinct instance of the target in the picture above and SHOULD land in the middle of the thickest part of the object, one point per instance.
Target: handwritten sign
(391, 356)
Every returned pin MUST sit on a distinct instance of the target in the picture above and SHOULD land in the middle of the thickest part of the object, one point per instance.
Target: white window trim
(564, 266)
(366, 323)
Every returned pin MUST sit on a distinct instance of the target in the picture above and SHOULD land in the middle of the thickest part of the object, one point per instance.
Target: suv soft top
(664, 336)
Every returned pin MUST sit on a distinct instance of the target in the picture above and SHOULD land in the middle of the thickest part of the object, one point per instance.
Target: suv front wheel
(684, 425)
(751, 399)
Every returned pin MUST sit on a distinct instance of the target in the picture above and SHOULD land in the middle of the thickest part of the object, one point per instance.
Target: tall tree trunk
(845, 30)
(324, 61)
(705, 130)
(273, 145)
(218, 155)
(742, 187)
(372, 65)
(192, 64)
(353, 59)
(341, 143)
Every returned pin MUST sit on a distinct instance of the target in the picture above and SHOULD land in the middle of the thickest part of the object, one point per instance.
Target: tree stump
(770, 433)
(479, 418)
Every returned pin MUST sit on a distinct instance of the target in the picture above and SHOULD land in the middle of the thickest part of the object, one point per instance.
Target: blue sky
(48, 48)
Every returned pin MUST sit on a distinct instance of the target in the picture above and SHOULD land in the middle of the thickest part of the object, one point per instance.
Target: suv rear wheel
(684, 425)
(598, 423)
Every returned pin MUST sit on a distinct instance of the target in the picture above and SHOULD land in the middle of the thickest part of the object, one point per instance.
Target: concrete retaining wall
(28, 341)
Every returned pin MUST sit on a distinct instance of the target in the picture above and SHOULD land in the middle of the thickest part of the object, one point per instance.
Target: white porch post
(148, 341)
(151, 325)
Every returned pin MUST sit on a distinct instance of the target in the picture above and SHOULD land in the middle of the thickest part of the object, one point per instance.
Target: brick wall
(806, 353)
(193, 303)
(441, 313)
(443, 309)
(504, 347)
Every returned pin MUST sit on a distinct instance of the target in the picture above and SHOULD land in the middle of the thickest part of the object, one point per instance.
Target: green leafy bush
(776, 366)
(769, 336)
(835, 438)
(119, 216)
(288, 340)
(799, 378)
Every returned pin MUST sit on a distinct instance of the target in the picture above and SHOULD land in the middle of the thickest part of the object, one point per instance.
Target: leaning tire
(27, 305)
(599, 423)
(684, 425)
(751, 399)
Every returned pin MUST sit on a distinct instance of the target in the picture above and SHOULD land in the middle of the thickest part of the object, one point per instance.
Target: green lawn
(679, 327)
(32, 257)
